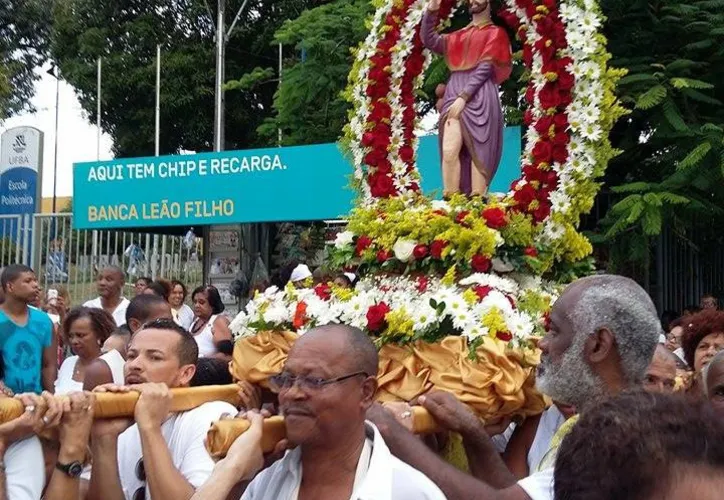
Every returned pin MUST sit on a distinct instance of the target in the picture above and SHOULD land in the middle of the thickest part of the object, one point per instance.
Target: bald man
(328, 383)
(602, 336)
(661, 373)
(714, 383)
(109, 284)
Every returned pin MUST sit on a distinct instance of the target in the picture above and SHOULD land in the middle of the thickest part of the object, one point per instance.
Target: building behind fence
(63, 256)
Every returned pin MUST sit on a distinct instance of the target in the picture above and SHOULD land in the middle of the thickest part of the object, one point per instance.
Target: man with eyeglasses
(325, 390)
(162, 455)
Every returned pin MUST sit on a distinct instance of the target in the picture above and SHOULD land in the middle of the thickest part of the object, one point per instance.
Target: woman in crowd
(211, 328)
(703, 338)
(84, 331)
(182, 314)
(160, 287)
(141, 284)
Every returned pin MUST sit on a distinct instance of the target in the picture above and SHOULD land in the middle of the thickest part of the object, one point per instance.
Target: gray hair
(621, 306)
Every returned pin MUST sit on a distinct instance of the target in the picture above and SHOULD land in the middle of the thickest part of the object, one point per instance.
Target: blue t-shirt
(22, 350)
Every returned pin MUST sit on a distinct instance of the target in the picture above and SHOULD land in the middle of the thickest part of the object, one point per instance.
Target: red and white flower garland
(568, 121)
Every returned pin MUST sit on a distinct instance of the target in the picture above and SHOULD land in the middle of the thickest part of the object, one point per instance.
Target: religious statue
(471, 114)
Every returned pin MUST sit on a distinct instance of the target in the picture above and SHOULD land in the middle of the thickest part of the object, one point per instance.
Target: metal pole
(98, 110)
(279, 131)
(158, 99)
(220, 70)
(55, 154)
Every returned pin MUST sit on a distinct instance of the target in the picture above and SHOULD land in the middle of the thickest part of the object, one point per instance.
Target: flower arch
(571, 110)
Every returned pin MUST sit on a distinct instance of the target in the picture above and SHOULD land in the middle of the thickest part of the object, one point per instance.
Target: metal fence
(63, 256)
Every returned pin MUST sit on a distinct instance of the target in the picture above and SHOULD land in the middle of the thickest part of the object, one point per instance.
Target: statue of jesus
(471, 116)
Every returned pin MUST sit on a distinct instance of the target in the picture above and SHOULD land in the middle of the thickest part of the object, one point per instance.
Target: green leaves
(695, 156)
(652, 97)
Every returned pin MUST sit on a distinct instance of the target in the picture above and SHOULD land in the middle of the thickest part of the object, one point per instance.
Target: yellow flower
(470, 296)
(450, 276)
(494, 322)
(399, 323)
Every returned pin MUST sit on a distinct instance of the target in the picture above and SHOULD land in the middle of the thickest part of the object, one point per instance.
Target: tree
(309, 105)
(24, 35)
(672, 163)
(125, 34)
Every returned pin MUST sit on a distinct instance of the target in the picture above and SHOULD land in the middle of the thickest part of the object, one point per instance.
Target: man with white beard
(602, 335)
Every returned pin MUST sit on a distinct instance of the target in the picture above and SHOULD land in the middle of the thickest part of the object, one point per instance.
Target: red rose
(560, 154)
(480, 263)
(504, 336)
(381, 186)
(495, 217)
(323, 291)
(460, 218)
(543, 125)
(543, 151)
(482, 291)
(561, 122)
(542, 212)
(566, 80)
(561, 139)
(367, 139)
(420, 252)
(549, 97)
(528, 54)
(530, 95)
(363, 243)
(383, 256)
(422, 283)
(406, 154)
(528, 117)
(565, 97)
(524, 195)
(436, 248)
(531, 252)
(376, 317)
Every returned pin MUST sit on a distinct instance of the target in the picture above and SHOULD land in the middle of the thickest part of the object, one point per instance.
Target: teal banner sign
(266, 185)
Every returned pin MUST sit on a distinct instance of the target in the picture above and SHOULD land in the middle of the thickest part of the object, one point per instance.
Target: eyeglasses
(286, 380)
(140, 493)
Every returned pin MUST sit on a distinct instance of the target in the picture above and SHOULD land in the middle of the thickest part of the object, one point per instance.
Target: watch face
(75, 469)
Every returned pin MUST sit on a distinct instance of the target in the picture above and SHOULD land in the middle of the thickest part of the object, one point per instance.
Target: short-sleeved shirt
(22, 350)
(119, 314)
(184, 434)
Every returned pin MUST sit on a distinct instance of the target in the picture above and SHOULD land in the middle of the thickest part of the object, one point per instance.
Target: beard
(571, 381)
(477, 8)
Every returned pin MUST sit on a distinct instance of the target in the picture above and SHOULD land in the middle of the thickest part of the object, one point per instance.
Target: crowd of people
(637, 413)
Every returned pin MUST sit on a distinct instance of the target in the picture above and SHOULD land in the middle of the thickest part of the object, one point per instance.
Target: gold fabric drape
(110, 405)
(499, 383)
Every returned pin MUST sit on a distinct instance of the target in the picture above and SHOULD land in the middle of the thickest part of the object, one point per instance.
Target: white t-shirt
(24, 470)
(386, 478)
(184, 316)
(65, 383)
(119, 315)
(539, 486)
(184, 433)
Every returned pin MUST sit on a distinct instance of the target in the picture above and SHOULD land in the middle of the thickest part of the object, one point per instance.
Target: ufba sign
(265, 185)
(20, 170)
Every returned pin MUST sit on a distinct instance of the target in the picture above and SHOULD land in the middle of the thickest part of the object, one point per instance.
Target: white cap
(351, 277)
(301, 272)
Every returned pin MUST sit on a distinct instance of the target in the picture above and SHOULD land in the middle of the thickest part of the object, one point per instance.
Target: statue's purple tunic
(482, 118)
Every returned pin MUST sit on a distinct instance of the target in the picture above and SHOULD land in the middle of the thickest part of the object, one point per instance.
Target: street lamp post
(54, 71)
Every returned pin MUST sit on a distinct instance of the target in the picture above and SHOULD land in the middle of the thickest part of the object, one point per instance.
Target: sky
(76, 136)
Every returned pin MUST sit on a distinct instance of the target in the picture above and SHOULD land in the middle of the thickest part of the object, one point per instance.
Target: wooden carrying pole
(224, 432)
(119, 405)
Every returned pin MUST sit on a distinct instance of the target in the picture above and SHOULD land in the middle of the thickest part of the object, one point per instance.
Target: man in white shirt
(327, 385)
(602, 336)
(162, 455)
(109, 284)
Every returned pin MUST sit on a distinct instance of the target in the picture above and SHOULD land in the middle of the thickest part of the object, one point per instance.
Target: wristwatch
(73, 469)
